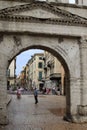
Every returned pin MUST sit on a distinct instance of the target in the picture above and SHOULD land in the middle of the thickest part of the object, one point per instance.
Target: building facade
(23, 77)
(11, 75)
(36, 71)
(53, 72)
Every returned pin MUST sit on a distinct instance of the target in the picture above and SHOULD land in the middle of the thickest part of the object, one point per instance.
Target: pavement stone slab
(24, 114)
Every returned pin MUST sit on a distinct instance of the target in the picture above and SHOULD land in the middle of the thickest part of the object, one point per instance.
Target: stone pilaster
(3, 92)
(83, 62)
(73, 99)
(82, 108)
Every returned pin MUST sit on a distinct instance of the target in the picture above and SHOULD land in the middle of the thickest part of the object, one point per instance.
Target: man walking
(36, 95)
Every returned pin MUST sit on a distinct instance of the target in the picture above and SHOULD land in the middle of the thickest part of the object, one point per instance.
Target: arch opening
(62, 61)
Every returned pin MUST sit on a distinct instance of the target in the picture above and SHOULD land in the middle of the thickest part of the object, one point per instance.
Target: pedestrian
(36, 95)
(18, 93)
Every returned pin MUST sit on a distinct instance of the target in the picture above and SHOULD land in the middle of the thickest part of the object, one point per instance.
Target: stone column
(3, 91)
(82, 109)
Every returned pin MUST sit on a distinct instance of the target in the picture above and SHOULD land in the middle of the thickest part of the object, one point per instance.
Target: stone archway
(61, 47)
(47, 26)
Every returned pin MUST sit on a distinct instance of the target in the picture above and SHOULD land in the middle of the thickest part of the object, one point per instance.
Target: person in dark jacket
(36, 95)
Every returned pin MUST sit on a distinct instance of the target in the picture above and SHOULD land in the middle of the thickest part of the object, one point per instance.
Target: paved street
(46, 115)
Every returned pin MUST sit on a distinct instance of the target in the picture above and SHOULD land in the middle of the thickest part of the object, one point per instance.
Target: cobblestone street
(46, 115)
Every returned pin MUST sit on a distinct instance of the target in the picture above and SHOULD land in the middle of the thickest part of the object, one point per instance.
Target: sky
(23, 58)
(72, 1)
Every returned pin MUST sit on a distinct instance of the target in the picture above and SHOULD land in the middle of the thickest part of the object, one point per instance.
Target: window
(40, 65)
(40, 58)
(40, 75)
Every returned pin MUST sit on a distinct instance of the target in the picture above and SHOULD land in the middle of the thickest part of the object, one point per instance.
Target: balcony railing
(55, 76)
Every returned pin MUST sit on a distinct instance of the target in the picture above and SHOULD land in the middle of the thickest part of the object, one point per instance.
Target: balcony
(55, 76)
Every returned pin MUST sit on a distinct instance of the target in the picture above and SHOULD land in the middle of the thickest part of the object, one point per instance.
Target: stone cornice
(40, 20)
(65, 17)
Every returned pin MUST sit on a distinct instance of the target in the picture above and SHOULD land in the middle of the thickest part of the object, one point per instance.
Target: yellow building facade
(11, 76)
(36, 70)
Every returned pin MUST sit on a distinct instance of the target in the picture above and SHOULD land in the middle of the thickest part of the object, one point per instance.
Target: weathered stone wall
(3, 87)
(85, 2)
(66, 50)
(6, 4)
(75, 9)
(51, 29)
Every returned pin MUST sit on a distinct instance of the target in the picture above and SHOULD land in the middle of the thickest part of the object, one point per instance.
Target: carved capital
(83, 41)
(17, 40)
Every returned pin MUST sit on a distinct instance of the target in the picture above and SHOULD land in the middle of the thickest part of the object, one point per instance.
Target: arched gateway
(48, 26)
